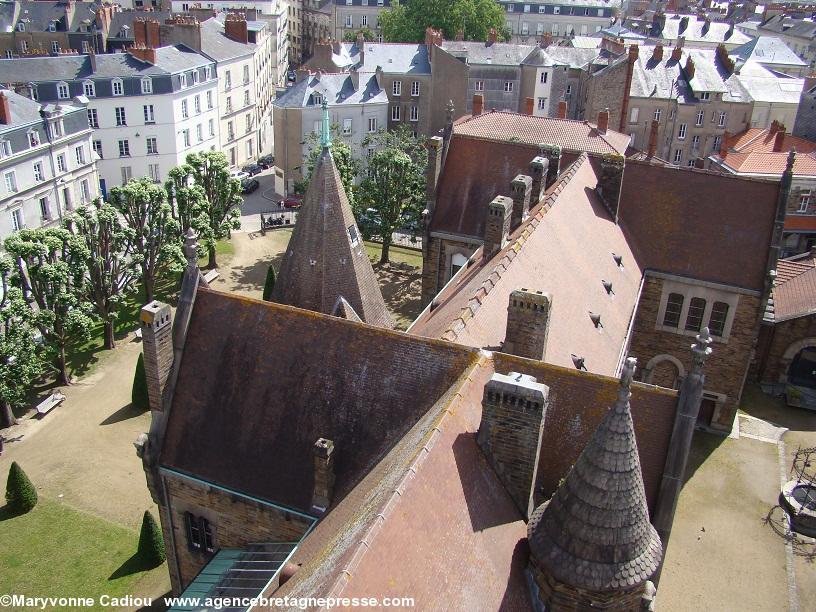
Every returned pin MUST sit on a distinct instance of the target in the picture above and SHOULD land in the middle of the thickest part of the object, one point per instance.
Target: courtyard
(82, 536)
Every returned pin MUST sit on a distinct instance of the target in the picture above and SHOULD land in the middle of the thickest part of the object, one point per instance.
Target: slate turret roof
(595, 532)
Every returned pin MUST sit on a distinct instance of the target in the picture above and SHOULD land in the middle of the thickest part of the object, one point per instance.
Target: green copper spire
(325, 134)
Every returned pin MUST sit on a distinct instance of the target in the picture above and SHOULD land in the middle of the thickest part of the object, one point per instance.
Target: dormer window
(33, 138)
(118, 87)
(63, 93)
(21, 27)
(705, 96)
(123, 33)
(52, 27)
(183, 80)
(89, 89)
(317, 98)
(147, 85)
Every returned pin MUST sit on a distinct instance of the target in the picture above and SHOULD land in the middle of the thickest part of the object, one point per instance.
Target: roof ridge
(514, 245)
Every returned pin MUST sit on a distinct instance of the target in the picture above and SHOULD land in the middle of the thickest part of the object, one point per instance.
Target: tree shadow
(159, 604)
(252, 278)
(134, 565)
(401, 287)
(123, 414)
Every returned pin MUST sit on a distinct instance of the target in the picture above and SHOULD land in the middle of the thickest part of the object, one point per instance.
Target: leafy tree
(407, 22)
(392, 195)
(188, 208)
(144, 206)
(112, 273)
(222, 197)
(22, 358)
(139, 396)
(21, 496)
(269, 285)
(50, 270)
(151, 543)
(368, 35)
(344, 160)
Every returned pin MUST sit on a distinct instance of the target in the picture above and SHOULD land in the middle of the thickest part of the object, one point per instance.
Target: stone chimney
(653, 138)
(779, 139)
(634, 53)
(361, 48)
(235, 27)
(514, 408)
(146, 33)
(528, 317)
(497, 225)
(492, 36)
(322, 56)
(552, 153)
(689, 70)
(157, 346)
(433, 38)
(92, 60)
(520, 187)
(562, 109)
(146, 54)
(603, 121)
(528, 106)
(434, 146)
(478, 105)
(657, 53)
(610, 182)
(323, 452)
(5, 110)
(538, 172)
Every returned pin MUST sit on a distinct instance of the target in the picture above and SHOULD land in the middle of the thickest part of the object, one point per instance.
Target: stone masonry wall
(235, 520)
(605, 90)
(784, 335)
(435, 264)
(725, 369)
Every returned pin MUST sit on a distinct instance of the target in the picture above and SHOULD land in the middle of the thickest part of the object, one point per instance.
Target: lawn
(396, 254)
(56, 551)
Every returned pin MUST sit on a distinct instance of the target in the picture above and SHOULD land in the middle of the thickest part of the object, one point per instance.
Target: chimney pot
(779, 139)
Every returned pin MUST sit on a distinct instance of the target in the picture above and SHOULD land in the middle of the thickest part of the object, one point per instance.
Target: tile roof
(806, 223)
(549, 253)
(260, 383)
(691, 222)
(594, 533)
(751, 153)
(326, 257)
(794, 294)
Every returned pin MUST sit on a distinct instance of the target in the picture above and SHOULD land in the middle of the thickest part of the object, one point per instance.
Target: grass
(396, 254)
(57, 551)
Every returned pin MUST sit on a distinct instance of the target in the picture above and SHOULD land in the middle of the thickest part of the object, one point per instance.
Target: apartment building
(317, 24)
(358, 106)
(46, 162)
(561, 18)
(148, 108)
(350, 16)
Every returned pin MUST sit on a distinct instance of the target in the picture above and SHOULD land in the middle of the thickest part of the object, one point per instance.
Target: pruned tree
(154, 243)
(406, 22)
(22, 359)
(50, 269)
(112, 271)
(151, 543)
(21, 496)
(269, 285)
(392, 195)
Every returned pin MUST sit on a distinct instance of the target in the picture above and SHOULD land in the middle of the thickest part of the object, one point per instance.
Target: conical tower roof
(595, 532)
(326, 257)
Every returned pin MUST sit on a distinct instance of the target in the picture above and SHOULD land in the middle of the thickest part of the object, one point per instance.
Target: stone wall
(726, 368)
(235, 520)
(606, 90)
(435, 263)
(528, 316)
(779, 338)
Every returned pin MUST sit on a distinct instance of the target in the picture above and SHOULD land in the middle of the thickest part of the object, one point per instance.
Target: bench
(49, 403)
(211, 276)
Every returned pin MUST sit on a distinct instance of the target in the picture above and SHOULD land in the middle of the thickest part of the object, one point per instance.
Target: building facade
(46, 162)
(351, 16)
(561, 19)
(149, 108)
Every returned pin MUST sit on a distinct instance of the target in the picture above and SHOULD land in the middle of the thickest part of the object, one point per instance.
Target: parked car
(239, 174)
(266, 161)
(252, 169)
(292, 201)
(248, 185)
(291, 76)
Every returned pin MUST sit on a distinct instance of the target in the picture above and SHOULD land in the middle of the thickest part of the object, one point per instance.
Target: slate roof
(715, 32)
(218, 46)
(788, 26)
(595, 532)
(767, 50)
(396, 58)
(23, 111)
(38, 15)
(549, 252)
(765, 85)
(336, 89)
(169, 60)
(260, 383)
(123, 18)
(794, 294)
(497, 54)
(751, 153)
(326, 256)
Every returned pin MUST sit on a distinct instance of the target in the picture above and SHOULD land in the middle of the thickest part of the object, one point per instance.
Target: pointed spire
(325, 130)
(595, 533)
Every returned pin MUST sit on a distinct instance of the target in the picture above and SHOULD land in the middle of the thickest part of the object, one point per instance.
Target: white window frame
(372, 125)
(709, 292)
(120, 115)
(634, 114)
(396, 112)
(804, 200)
(678, 156)
(147, 85)
(415, 88)
(414, 116)
(89, 89)
(124, 147)
(396, 88)
(479, 86)
(681, 131)
(508, 87)
(700, 118)
(118, 87)
(152, 145)
(10, 180)
(723, 119)
(39, 174)
(347, 125)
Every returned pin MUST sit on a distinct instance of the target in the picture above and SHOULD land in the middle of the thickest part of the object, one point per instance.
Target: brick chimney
(603, 121)
(5, 109)
(562, 109)
(546, 40)
(657, 53)
(779, 139)
(514, 407)
(552, 153)
(521, 188)
(689, 69)
(478, 104)
(433, 38)
(528, 316)
(146, 33)
(146, 54)
(610, 182)
(528, 106)
(235, 27)
(322, 56)
(157, 347)
(653, 138)
(491, 36)
(677, 53)
(538, 173)
(323, 452)
(497, 225)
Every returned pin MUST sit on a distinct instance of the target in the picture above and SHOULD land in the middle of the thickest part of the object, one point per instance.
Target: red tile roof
(572, 136)
(751, 152)
(550, 252)
(794, 294)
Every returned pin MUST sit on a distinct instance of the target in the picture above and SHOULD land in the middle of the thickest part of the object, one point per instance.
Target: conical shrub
(21, 496)
(139, 396)
(269, 285)
(151, 542)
